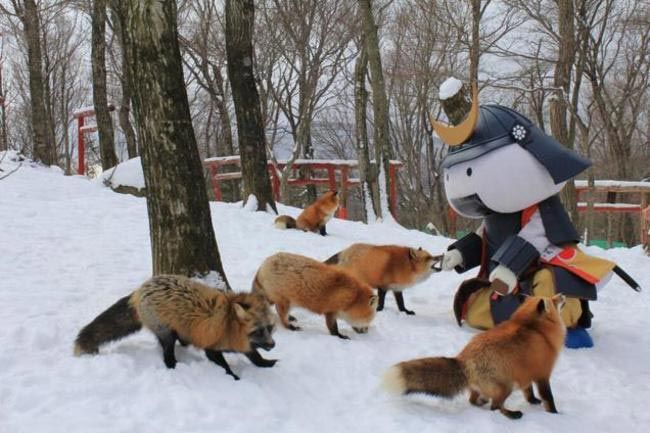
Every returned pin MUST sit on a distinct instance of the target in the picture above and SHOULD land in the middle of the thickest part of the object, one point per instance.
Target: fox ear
(240, 311)
(541, 306)
(374, 301)
(413, 253)
(559, 300)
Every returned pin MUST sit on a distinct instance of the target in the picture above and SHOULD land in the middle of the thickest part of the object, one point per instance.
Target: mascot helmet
(499, 161)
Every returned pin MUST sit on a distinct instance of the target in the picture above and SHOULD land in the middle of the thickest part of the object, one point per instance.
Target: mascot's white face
(507, 179)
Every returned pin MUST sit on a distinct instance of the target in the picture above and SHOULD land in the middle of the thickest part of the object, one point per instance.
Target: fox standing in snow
(291, 280)
(511, 355)
(174, 308)
(386, 267)
(314, 217)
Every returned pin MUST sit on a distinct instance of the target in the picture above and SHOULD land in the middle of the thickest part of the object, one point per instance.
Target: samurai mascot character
(504, 170)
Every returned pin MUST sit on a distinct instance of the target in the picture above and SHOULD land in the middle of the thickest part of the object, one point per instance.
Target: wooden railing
(336, 174)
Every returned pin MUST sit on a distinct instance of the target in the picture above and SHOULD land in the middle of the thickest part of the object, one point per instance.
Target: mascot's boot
(577, 338)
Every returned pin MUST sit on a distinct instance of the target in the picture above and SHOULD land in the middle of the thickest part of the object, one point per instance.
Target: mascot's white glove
(507, 278)
(451, 259)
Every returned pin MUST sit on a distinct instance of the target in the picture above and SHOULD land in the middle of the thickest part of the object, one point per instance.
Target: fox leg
(530, 395)
(476, 399)
(499, 397)
(257, 359)
(322, 230)
(544, 388)
(283, 312)
(382, 295)
(217, 357)
(167, 340)
(180, 340)
(399, 298)
(330, 320)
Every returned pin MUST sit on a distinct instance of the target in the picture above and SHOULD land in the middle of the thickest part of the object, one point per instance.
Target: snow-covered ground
(70, 247)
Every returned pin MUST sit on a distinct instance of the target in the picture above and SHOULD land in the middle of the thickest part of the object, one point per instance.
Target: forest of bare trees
(344, 79)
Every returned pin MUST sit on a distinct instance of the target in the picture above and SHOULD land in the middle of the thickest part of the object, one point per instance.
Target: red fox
(513, 354)
(314, 217)
(292, 280)
(387, 267)
(174, 308)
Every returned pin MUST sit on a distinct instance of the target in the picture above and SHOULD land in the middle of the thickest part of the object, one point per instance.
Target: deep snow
(71, 247)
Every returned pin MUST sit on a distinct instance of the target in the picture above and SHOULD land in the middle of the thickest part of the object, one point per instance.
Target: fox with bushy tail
(314, 217)
(513, 354)
(175, 308)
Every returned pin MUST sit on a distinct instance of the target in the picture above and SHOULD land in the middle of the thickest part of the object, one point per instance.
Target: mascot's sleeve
(548, 227)
(471, 248)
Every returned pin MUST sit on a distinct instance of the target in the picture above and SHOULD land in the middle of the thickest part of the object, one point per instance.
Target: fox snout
(267, 345)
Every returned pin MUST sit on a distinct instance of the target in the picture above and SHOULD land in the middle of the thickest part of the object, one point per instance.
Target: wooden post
(343, 193)
(451, 218)
(214, 172)
(331, 175)
(275, 182)
(81, 151)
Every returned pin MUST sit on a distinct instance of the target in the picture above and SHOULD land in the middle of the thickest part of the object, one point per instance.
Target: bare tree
(383, 149)
(182, 237)
(311, 41)
(4, 145)
(28, 14)
(100, 99)
(240, 15)
(116, 17)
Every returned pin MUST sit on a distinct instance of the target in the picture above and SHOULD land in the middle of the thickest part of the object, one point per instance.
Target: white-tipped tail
(282, 225)
(393, 381)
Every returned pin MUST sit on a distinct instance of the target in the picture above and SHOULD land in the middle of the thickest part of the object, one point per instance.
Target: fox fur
(288, 280)
(174, 308)
(386, 267)
(513, 354)
(314, 217)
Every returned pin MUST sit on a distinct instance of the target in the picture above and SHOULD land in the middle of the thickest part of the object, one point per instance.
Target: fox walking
(513, 354)
(174, 308)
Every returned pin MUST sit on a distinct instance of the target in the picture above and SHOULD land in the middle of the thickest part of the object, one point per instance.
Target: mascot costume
(504, 170)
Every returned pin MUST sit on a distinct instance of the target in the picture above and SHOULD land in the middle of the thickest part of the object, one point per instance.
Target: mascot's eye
(469, 171)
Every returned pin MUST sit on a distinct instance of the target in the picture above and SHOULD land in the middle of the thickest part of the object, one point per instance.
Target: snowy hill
(71, 247)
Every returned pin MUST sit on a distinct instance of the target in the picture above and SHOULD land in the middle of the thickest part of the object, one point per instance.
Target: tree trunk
(182, 237)
(224, 116)
(457, 106)
(42, 147)
(562, 83)
(240, 15)
(383, 150)
(366, 174)
(475, 42)
(3, 114)
(126, 82)
(64, 119)
(100, 99)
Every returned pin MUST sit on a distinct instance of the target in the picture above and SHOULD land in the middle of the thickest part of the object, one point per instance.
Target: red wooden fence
(336, 174)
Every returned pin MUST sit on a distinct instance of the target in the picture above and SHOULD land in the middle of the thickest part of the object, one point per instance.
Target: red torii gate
(342, 167)
(82, 129)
